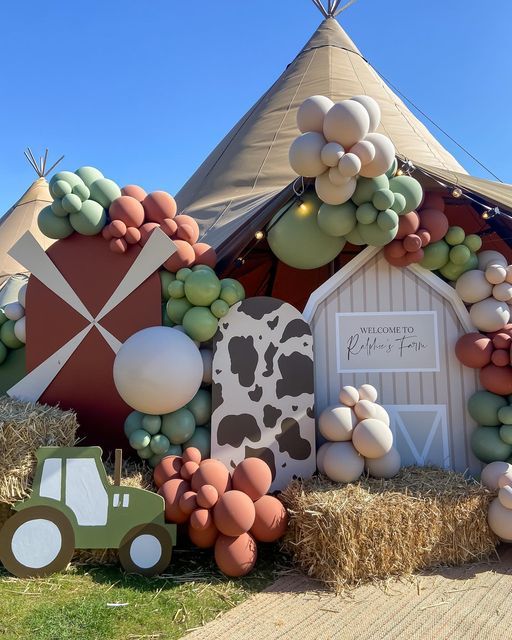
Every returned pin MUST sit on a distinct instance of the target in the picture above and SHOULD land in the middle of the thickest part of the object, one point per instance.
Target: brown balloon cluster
(492, 354)
(134, 216)
(416, 230)
(229, 512)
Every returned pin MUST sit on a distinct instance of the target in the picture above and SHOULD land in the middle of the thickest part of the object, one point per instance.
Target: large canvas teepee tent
(247, 177)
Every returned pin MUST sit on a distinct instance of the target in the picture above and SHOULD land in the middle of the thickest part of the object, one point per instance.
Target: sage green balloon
(104, 191)
(152, 424)
(228, 295)
(183, 274)
(460, 254)
(159, 443)
(58, 209)
(145, 453)
(337, 220)
(392, 169)
(176, 308)
(205, 267)
(200, 440)
(166, 321)
(410, 188)
(202, 288)
(53, 226)
(296, 238)
(366, 213)
(165, 280)
(3, 317)
(484, 407)
(488, 446)
(90, 220)
(383, 199)
(436, 255)
(60, 188)
(219, 308)
(173, 450)
(399, 204)
(387, 220)
(455, 235)
(89, 175)
(366, 187)
(473, 242)
(133, 422)
(238, 286)
(82, 191)
(71, 203)
(201, 407)
(452, 271)
(354, 237)
(374, 236)
(177, 289)
(200, 324)
(505, 414)
(139, 439)
(63, 176)
(3, 352)
(506, 433)
(178, 426)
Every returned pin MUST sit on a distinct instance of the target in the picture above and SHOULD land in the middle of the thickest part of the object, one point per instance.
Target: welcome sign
(391, 341)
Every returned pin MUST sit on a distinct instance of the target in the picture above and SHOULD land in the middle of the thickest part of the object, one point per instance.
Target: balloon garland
(12, 325)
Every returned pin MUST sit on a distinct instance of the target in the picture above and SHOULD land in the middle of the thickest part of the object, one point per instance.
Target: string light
(456, 193)
(259, 235)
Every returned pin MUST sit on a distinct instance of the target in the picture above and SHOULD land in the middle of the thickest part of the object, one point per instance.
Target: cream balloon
(320, 454)
(336, 423)
(346, 122)
(349, 396)
(336, 178)
(368, 392)
(381, 414)
(20, 329)
(386, 466)
(311, 113)
(492, 472)
(505, 496)
(505, 480)
(373, 109)
(372, 438)
(331, 154)
(384, 156)
(22, 295)
(472, 286)
(342, 463)
(364, 150)
(207, 358)
(349, 165)
(489, 315)
(14, 311)
(305, 155)
(331, 193)
(509, 274)
(500, 520)
(485, 258)
(365, 409)
(495, 273)
(502, 292)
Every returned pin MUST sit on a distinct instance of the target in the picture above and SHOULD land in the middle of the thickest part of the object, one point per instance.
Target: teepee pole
(321, 7)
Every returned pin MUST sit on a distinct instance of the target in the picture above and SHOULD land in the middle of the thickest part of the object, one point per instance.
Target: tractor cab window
(51, 476)
(85, 494)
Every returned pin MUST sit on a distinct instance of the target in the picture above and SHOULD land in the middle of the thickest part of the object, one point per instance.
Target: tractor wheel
(36, 542)
(146, 550)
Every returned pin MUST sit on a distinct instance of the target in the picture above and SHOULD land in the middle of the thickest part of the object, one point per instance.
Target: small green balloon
(399, 204)
(200, 324)
(177, 289)
(82, 191)
(133, 422)
(391, 172)
(229, 295)
(410, 188)
(139, 439)
(202, 288)
(484, 407)
(8, 336)
(506, 433)
(165, 280)
(366, 187)
(460, 254)
(505, 414)
(57, 190)
(53, 226)
(473, 242)
(166, 321)
(89, 175)
(374, 236)
(205, 267)
(201, 407)
(200, 440)
(4, 352)
(387, 220)
(152, 424)
(173, 450)
(71, 203)
(219, 308)
(176, 309)
(452, 271)
(178, 426)
(436, 255)
(488, 446)
(354, 237)
(366, 213)
(183, 274)
(455, 235)
(383, 199)
(231, 282)
(337, 220)
(104, 192)
(159, 443)
(58, 209)
(60, 188)
(90, 220)
(145, 453)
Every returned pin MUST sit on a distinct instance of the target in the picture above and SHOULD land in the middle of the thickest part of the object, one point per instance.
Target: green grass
(77, 604)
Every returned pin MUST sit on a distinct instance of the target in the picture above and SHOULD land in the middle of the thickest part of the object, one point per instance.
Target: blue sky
(144, 90)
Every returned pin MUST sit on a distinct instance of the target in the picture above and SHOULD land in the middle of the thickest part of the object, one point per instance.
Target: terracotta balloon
(183, 257)
(408, 223)
(106, 233)
(204, 538)
(501, 358)
(234, 513)
(236, 556)
(502, 341)
(169, 227)
(412, 243)
(205, 254)
(212, 472)
(146, 230)
(395, 249)
(207, 496)
(171, 491)
(201, 519)
(271, 519)
(188, 469)
(118, 245)
(497, 379)
(188, 229)
(253, 477)
(424, 236)
(188, 502)
(134, 191)
(117, 228)
(132, 235)
(159, 205)
(474, 350)
(191, 454)
(167, 469)
(128, 210)
(435, 222)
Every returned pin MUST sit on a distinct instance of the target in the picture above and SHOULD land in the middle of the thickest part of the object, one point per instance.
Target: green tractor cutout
(73, 506)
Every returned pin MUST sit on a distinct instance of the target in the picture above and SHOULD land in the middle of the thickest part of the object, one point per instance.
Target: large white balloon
(342, 463)
(332, 193)
(347, 122)
(311, 113)
(332, 153)
(485, 258)
(305, 155)
(384, 156)
(20, 329)
(472, 286)
(336, 423)
(489, 315)
(158, 370)
(386, 466)
(14, 311)
(336, 178)
(372, 106)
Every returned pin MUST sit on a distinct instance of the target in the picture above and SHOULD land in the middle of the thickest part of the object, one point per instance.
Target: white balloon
(489, 315)
(472, 286)
(342, 463)
(502, 292)
(500, 520)
(492, 472)
(311, 113)
(364, 150)
(368, 392)
(22, 295)
(349, 396)
(336, 423)
(372, 438)
(485, 258)
(305, 155)
(349, 165)
(346, 122)
(20, 329)
(158, 370)
(495, 273)
(320, 454)
(331, 193)
(505, 496)
(14, 311)
(336, 178)
(365, 409)
(373, 109)
(509, 274)
(384, 156)
(385, 467)
(207, 357)
(331, 154)
(381, 414)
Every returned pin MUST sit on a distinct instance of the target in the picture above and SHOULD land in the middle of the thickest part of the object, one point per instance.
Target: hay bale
(374, 529)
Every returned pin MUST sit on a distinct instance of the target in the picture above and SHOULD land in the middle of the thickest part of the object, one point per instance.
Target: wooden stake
(118, 463)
